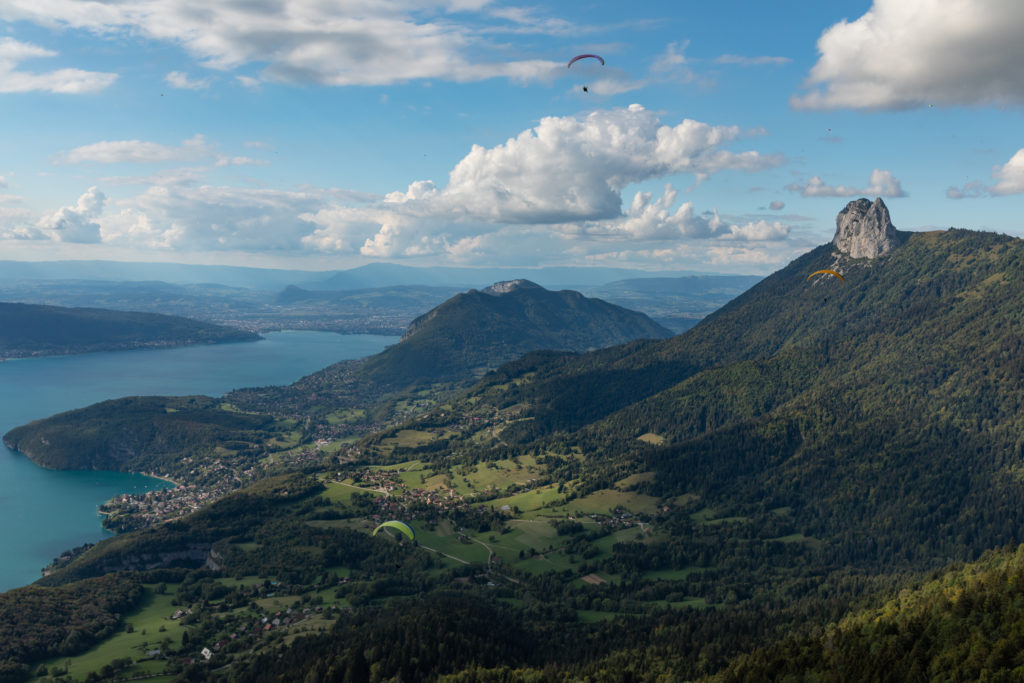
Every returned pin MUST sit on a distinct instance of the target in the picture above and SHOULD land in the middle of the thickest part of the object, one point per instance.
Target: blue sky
(322, 134)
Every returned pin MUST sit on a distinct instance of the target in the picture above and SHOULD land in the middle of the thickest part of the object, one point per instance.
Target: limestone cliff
(864, 230)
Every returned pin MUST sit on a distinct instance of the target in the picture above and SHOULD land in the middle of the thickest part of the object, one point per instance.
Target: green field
(709, 516)
(603, 502)
(632, 480)
(409, 438)
(350, 415)
(341, 493)
(531, 501)
(153, 613)
(446, 540)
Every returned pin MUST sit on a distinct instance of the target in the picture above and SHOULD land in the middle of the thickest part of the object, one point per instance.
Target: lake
(46, 512)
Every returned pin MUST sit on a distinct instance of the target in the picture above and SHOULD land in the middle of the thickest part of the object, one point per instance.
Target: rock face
(506, 286)
(863, 230)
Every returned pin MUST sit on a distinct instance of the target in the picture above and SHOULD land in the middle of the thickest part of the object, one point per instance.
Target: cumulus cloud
(911, 53)
(566, 173)
(1009, 177)
(76, 223)
(181, 80)
(348, 42)
(64, 81)
(213, 218)
(564, 184)
(647, 220)
(882, 183)
(568, 169)
(15, 220)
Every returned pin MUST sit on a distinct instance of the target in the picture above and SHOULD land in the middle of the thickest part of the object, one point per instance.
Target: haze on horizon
(313, 135)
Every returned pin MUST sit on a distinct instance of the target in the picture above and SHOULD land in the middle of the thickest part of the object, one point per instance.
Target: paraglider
(399, 526)
(579, 57)
(826, 272)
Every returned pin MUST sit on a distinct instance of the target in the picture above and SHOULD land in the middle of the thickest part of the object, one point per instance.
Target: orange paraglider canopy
(830, 272)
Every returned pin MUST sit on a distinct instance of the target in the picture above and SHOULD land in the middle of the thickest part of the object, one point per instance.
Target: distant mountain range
(33, 330)
(363, 277)
(378, 298)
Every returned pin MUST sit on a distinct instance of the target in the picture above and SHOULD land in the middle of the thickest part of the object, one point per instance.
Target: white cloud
(212, 218)
(554, 189)
(1010, 177)
(911, 53)
(757, 231)
(76, 223)
(249, 82)
(569, 169)
(173, 176)
(63, 81)
(346, 42)
(240, 161)
(3, 181)
(138, 151)
(777, 205)
(144, 152)
(181, 80)
(565, 177)
(882, 183)
(647, 220)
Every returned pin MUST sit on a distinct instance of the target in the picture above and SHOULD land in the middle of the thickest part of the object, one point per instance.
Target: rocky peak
(863, 229)
(506, 286)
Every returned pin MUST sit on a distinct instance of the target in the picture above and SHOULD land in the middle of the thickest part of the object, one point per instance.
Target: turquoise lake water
(44, 512)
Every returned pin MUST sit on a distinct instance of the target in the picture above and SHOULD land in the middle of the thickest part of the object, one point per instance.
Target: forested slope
(34, 330)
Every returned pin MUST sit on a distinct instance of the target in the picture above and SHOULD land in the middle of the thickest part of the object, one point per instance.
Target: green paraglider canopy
(400, 526)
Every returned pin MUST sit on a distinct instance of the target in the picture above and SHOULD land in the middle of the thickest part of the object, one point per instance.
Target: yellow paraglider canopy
(400, 526)
(830, 272)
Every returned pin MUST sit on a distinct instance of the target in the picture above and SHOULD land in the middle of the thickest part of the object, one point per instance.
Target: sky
(327, 134)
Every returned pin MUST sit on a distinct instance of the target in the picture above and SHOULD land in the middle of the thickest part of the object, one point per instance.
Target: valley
(813, 457)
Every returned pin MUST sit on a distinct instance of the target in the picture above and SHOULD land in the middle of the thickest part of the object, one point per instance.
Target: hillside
(34, 330)
(849, 405)
(965, 625)
(451, 345)
(477, 331)
(706, 504)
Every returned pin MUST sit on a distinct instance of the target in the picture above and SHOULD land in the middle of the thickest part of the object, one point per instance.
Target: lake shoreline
(51, 510)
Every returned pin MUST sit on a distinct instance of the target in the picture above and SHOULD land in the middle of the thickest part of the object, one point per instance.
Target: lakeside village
(385, 493)
(203, 481)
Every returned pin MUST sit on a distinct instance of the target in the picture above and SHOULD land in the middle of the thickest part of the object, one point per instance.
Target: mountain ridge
(38, 330)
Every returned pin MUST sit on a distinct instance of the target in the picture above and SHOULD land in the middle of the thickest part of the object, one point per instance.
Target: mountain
(786, 490)
(372, 275)
(882, 413)
(33, 330)
(175, 273)
(479, 330)
(554, 277)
